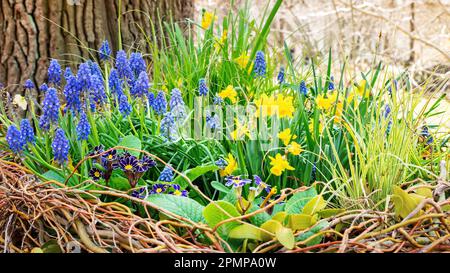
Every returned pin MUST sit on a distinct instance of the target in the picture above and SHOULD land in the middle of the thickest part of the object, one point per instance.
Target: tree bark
(34, 31)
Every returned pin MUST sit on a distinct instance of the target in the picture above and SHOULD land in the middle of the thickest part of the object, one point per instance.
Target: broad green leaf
(182, 206)
(119, 183)
(302, 237)
(246, 231)
(314, 205)
(302, 221)
(52, 175)
(220, 187)
(259, 218)
(425, 192)
(214, 215)
(280, 216)
(193, 174)
(296, 203)
(133, 142)
(325, 213)
(271, 226)
(286, 237)
(404, 203)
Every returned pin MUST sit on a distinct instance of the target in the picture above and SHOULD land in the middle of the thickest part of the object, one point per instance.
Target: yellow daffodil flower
(285, 106)
(231, 166)
(286, 136)
(228, 92)
(220, 42)
(295, 148)
(207, 19)
(279, 165)
(242, 60)
(362, 89)
(324, 103)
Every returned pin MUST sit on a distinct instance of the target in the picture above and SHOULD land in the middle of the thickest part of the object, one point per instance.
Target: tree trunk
(34, 31)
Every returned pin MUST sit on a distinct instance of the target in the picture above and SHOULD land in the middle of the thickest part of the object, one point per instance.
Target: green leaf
(260, 218)
(133, 142)
(220, 187)
(193, 174)
(326, 213)
(296, 203)
(246, 231)
(280, 216)
(286, 237)
(301, 221)
(314, 205)
(304, 236)
(404, 203)
(52, 175)
(182, 206)
(271, 226)
(119, 183)
(214, 215)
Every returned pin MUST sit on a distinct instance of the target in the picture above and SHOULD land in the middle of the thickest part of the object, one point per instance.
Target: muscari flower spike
(425, 133)
(124, 106)
(67, 73)
(213, 122)
(236, 181)
(50, 109)
(72, 93)
(83, 127)
(177, 107)
(160, 103)
(331, 83)
(202, 88)
(137, 63)
(43, 88)
(15, 139)
(140, 86)
(54, 72)
(158, 189)
(260, 64)
(115, 83)
(105, 51)
(168, 127)
(28, 84)
(84, 76)
(166, 175)
(303, 89)
(97, 90)
(178, 192)
(217, 100)
(27, 131)
(60, 147)
(280, 76)
(123, 65)
(95, 174)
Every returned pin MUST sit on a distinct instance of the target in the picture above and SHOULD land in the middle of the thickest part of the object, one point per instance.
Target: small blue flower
(28, 84)
(202, 88)
(105, 51)
(140, 86)
(54, 72)
(95, 69)
(261, 185)
(83, 127)
(213, 122)
(280, 76)
(115, 83)
(178, 192)
(50, 109)
(176, 104)
(260, 64)
(137, 63)
(331, 83)
(97, 90)
(72, 93)
(160, 103)
(158, 189)
(217, 100)
(168, 128)
(425, 133)
(236, 181)
(221, 163)
(387, 110)
(303, 89)
(166, 175)
(60, 147)
(123, 66)
(140, 193)
(15, 140)
(124, 106)
(314, 172)
(27, 131)
(68, 73)
(43, 88)
(84, 76)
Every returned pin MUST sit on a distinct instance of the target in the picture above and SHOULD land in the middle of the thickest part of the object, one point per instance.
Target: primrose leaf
(193, 174)
(326, 213)
(182, 206)
(271, 226)
(260, 218)
(214, 215)
(302, 221)
(296, 203)
(280, 216)
(286, 237)
(119, 183)
(314, 205)
(246, 231)
(220, 187)
(132, 142)
(304, 236)
(404, 203)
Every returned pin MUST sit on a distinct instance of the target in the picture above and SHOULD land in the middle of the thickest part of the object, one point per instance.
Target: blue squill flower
(43, 88)
(60, 147)
(280, 76)
(303, 89)
(83, 127)
(202, 88)
(260, 64)
(166, 175)
(137, 63)
(27, 131)
(28, 84)
(168, 127)
(140, 86)
(84, 76)
(115, 83)
(160, 103)
(331, 83)
(72, 93)
(50, 109)
(124, 106)
(123, 66)
(176, 104)
(54, 73)
(15, 140)
(105, 51)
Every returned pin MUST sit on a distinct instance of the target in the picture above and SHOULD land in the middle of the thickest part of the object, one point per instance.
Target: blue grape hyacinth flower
(137, 63)
(28, 84)
(72, 94)
(105, 51)
(303, 89)
(54, 72)
(27, 131)
(260, 64)
(166, 175)
(43, 88)
(15, 140)
(331, 83)
(177, 106)
(140, 86)
(84, 76)
(83, 127)
(168, 127)
(160, 103)
(202, 88)
(123, 65)
(124, 106)
(280, 76)
(60, 147)
(115, 83)
(50, 109)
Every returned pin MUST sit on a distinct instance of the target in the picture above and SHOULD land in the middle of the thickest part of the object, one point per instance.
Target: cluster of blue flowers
(259, 68)
(202, 88)
(50, 109)
(60, 146)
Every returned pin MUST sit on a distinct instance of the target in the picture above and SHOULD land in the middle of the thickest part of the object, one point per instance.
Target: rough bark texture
(34, 31)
